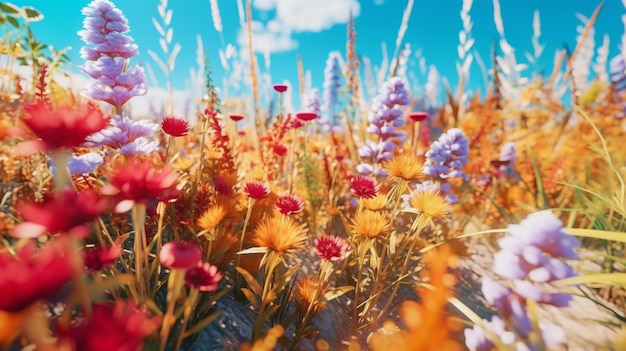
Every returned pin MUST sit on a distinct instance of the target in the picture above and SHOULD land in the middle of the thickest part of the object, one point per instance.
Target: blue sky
(287, 28)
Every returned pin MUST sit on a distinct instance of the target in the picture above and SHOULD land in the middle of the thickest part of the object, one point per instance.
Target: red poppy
(67, 212)
(32, 276)
(99, 257)
(236, 118)
(175, 255)
(306, 116)
(139, 182)
(418, 116)
(203, 277)
(257, 190)
(331, 248)
(122, 326)
(174, 126)
(363, 186)
(289, 204)
(279, 149)
(64, 127)
(281, 88)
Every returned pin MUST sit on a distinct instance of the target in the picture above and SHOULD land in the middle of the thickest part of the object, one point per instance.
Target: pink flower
(63, 127)
(67, 212)
(176, 255)
(174, 126)
(306, 116)
(364, 186)
(236, 118)
(139, 182)
(203, 277)
(122, 326)
(289, 204)
(279, 149)
(418, 116)
(257, 190)
(281, 88)
(99, 257)
(32, 276)
(331, 248)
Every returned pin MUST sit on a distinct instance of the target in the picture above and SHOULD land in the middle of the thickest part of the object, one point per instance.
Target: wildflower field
(369, 217)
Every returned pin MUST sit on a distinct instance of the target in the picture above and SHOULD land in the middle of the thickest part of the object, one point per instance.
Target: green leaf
(615, 279)
(335, 293)
(202, 324)
(13, 21)
(8, 7)
(32, 14)
(254, 301)
(252, 283)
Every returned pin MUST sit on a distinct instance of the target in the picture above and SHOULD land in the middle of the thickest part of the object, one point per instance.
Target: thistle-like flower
(370, 224)
(289, 204)
(203, 277)
(364, 186)
(174, 126)
(331, 248)
(107, 57)
(406, 166)
(257, 190)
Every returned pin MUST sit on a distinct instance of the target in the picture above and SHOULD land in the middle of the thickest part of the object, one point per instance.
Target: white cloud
(268, 38)
(296, 16)
(315, 15)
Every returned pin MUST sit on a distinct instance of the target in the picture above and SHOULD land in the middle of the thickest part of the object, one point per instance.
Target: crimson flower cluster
(188, 257)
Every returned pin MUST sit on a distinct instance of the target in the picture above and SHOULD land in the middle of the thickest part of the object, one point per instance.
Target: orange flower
(406, 166)
(370, 224)
(280, 234)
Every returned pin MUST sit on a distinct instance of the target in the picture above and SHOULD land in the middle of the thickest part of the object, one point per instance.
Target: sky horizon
(286, 29)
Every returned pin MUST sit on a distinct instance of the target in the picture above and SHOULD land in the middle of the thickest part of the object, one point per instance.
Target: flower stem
(62, 177)
(241, 239)
(140, 249)
(175, 284)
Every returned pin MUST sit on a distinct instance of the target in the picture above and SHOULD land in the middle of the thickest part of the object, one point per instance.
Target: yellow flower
(370, 224)
(430, 205)
(212, 217)
(280, 234)
(377, 203)
(406, 166)
(307, 294)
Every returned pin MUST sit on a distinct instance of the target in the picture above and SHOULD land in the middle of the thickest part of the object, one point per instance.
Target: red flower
(331, 248)
(418, 116)
(174, 126)
(257, 190)
(121, 327)
(236, 118)
(364, 186)
(64, 127)
(279, 149)
(139, 182)
(99, 257)
(31, 276)
(306, 116)
(289, 204)
(281, 88)
(67, 212)
(175, 255)
(203, 277)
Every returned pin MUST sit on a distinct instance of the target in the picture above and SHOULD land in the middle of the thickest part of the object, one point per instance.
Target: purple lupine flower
(312, 103)
(107, 57)
(476, 339)
(332, 84)
(445, 160)
(85, 164)
(617, 71)
(509, 153)
(127, 135)
(384, 119)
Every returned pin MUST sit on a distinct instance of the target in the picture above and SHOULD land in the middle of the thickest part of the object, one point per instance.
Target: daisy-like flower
(257, 190)
(289, 204)
(175, 255)
(99, 257)
(370, 224)
(63, 127)
(331, 248)
(406, 166)
(174, 126)
(280, 234)
(280, 88)
(31, 276)
(139, 182)
(203, 277)
(364, 186)
(308, 292)
(430, 204)
(212, 217)
(67, 212)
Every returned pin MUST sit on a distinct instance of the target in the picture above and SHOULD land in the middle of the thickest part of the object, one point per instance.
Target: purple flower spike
(85, 164)
(332, 84)
(126, 135)
(107, 52)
